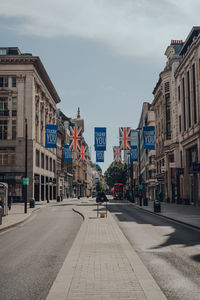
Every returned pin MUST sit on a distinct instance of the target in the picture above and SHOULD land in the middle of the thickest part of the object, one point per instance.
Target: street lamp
(139, 166)
(26, 166)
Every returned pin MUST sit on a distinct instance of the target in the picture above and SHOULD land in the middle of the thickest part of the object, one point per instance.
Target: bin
(32, 203)
(157, 206)
(58, 198)
(1, 214)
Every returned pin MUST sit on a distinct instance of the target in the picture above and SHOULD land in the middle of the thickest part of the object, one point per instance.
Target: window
(3, 157)
(183, 90)
(179, 93)
(188, 92)
(194, 93)
(50, 162)
(13, 129)
(14, 81)
(3, 81)
(168, 119)
(54, 166)
(37, 158)
(4, 106)
(3, 129)
(181, 158)
(179, 118)
(3, 52)
(42, 160)
(47, 163)
(7, 156)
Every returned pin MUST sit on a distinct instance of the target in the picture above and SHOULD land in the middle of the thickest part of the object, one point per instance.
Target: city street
(169, 250)
(32, 254)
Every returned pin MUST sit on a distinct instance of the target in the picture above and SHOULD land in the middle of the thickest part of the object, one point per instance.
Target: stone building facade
(177, 114)
(26, 92)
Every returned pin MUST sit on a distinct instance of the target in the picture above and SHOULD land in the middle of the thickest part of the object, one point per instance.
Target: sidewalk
(102, 264)
(186, 214)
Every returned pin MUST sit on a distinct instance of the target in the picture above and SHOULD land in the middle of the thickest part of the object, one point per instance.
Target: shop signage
(172, 165)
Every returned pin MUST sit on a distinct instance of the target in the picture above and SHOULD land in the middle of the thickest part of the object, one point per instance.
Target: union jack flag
(75, 137)
(83, 152)
(125, 138)
(117, 154)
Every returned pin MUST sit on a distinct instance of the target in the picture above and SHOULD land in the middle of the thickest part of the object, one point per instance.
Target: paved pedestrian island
(102, 264)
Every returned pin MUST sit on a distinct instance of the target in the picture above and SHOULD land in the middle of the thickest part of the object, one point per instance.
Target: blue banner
(149, 137)
(51, 136)
(99, 156)
(67, 153)
(134, 153)
(100, 138)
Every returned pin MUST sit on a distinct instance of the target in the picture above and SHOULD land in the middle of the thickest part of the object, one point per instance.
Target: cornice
(36, 62)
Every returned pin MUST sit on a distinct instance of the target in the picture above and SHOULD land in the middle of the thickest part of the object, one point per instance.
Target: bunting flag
(117, 154)
(75, 137)
(83, 153)
(125, 138)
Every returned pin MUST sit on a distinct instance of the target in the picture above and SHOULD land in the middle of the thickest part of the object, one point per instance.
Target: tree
(116, 173)
(99, 186)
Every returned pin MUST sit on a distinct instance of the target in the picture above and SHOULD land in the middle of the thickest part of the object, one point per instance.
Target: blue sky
(103, 56)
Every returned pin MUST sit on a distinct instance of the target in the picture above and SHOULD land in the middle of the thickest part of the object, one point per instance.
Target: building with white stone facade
(177, 117)
(26, 92)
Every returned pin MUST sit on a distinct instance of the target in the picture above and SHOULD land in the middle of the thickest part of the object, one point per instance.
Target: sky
(103, 56)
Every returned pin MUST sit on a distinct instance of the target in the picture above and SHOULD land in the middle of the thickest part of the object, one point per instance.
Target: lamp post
(26, 166)
(139, 167)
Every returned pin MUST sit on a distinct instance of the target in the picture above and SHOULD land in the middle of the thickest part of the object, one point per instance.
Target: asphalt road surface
(170, 251)
(32, 254)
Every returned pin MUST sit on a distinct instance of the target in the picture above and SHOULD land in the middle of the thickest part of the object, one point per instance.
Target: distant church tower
(79, 121)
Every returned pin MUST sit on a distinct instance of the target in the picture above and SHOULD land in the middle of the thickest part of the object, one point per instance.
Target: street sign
(140, 186)
(172, 165)
(25, 181)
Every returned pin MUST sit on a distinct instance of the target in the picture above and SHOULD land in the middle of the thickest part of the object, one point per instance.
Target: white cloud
(131, 27)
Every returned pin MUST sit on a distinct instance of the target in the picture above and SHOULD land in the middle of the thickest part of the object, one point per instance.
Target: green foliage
(99, 186)
(116, 173)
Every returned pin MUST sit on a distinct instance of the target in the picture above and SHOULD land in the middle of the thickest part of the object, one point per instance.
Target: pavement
(101, 263)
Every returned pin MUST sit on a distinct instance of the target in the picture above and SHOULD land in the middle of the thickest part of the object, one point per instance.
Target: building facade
(26, 95)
